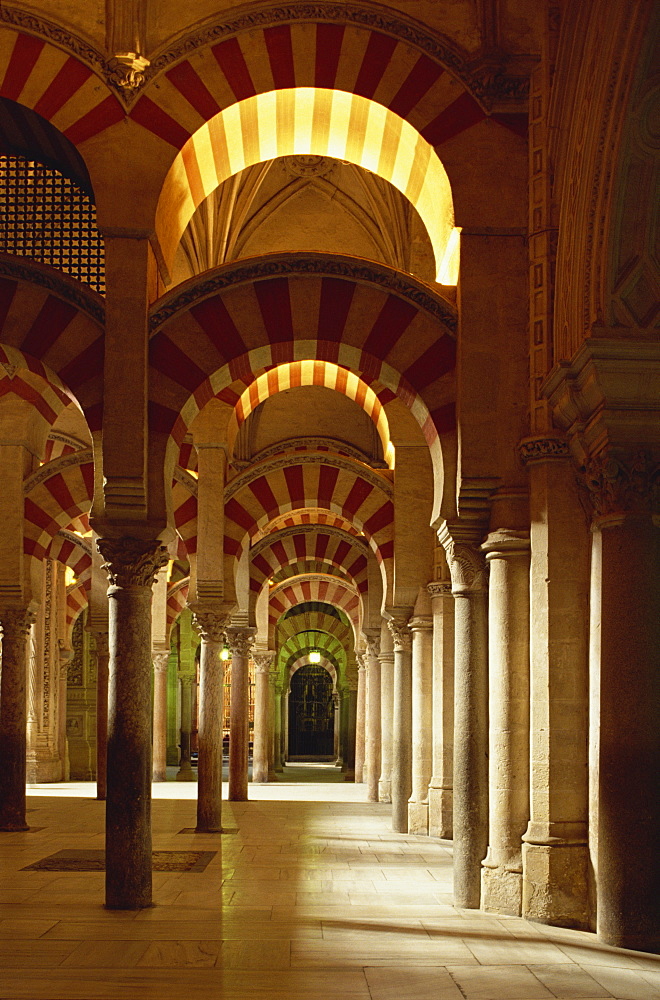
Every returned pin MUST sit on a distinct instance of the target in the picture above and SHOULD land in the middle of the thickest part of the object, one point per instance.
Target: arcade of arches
(329, 366)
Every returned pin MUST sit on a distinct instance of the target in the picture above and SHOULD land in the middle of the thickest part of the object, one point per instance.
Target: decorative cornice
(69, 289)
(311, 458)
(304, 263)
(132, 562)
(55, 33)
(618, 486)
(55, 467)
(541, 449)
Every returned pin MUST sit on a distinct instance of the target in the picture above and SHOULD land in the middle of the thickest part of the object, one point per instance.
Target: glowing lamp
(315, 656)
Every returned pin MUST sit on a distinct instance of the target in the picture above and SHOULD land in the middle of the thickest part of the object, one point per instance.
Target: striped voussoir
(315, 548)
(236, 322)
(177, 594)
(303, 567)
(300, 645)
(72, 551)
(298, 622)
(56, 83)
(320, 590)
(184, 505)
(54, 498)
(53, 327)
(77, 599)
(59, 444)
(309, 516)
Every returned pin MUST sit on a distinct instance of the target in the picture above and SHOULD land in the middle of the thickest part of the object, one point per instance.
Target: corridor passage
(308, 895)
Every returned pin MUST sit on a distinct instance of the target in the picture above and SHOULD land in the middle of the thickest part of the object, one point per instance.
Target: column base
(418, 818)
(384, 790)
(159, 776)
(441, 813)
(501, 891)
(186, 773)
(555, 884)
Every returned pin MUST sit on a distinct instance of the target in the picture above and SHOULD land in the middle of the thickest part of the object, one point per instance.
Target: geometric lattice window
(46, 217)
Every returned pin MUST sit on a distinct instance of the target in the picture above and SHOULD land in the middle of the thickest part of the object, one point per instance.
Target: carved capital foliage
(16, 622)
(467, 567)
(541, 449)
(132, 562)
(263, 660)
(240, 640)
(125, 72)
(160, 660)
(361, 658)
(439, 589)
(211, 625)
(615, 485)
(401, 635)
(373, 646)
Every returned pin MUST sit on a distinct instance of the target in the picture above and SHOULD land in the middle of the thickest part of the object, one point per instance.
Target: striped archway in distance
(313, 589)
(218, 332)
(320, 373)
(56, 495)
(314, 616)
(77, 599)
(53, 326)
(309, 515)
(316, 548)
(71, 550)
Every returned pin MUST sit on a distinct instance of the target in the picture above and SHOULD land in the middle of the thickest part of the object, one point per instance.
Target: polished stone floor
(310, 896)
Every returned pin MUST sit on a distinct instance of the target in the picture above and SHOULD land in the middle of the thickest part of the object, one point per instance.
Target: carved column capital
(505, 542)
(211, 625)
(543, 448)
(17, 621)
(263, 660)
(467, 567)
(401, 635)
(361, 658)
(439, 588)
(132, 562)
(160, 660)
(373, 645)
(240, 640)
(617, 486)
(420, 622)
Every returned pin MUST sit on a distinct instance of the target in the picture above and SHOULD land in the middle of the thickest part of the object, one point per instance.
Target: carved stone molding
(16, 622)
(505, 541)
(56, 466)
(420, 622)
(132, 562)
(541, 449)
(240, 640)
(160, 660)
(283, 265)
(439, 589)
(401, 635)
(618, 486)
(46, 277)
(263, 660)
(311, 458)
(125, 72)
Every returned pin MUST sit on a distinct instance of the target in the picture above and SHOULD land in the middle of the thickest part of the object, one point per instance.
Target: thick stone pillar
(132, 565)
(401, 721)
(441, 806)
(240, 642)
(262, 716)
(468, 576)
(372, 739)
(386, 658)
(507, 553)
(16, 625)
(160, 659)
(421, 627)
(211, 626)
(102, 673)
(626, 590)
(185, 772)
(360, 719)
(555, 852)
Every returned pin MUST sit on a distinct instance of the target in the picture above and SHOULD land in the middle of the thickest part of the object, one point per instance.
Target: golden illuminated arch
(311, 120)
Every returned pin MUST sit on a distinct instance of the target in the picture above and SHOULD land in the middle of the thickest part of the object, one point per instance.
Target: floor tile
(498, 982)
(413, 984)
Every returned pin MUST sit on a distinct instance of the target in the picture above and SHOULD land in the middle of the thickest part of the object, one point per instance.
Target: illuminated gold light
(315, 121)
(315, 656)
(69, 576)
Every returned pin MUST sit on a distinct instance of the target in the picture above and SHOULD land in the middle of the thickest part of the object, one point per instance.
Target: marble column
(185, 772)
(65, 656)
(102, 674)
(278, 728)
(211, 626)
(16, 625)
(360, 719)
(336, 743)
(507, 553)
(349, 718)
(626, 591)
(131, 565)
(372, 739)
(441, 806)
(386, 659)
(421, 627)
(468, 575)
(262, 716)
(555, 844)
(240, 642)
(401, 721)
(160, 659)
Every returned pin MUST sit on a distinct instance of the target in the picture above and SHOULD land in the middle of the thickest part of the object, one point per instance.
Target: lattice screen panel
(46, 217)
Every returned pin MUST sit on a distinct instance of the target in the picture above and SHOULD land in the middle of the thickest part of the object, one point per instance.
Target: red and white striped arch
(77, 599)
(56, 84)
(75, 552)
(314, 516)
(177, 594)
(319, 373)
(320, 589)
(54, 498)
(317, 549)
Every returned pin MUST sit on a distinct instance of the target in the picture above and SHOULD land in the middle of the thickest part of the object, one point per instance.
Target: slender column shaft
(360, 720)
(386, 658)
(16, 623)
(240, 642)
(507, 553)
(211, 682)
(185, 772)
(279, 731)
(102, 674)
(336, 746)
(160, 659)
(441, 806)
(401, 723)
(348, 730)
(628, 887)
(132, 565)
(422, 722)
(262, 717)
(372, 741)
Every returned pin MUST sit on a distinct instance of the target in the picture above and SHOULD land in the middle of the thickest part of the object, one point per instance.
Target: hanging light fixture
(315, 656)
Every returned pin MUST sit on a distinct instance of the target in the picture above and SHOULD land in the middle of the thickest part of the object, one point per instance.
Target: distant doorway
(311, 714)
